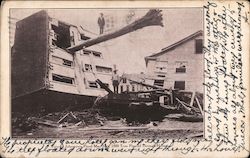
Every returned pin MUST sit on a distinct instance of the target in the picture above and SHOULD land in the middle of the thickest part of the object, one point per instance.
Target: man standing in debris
(115, 79)
(101, 23)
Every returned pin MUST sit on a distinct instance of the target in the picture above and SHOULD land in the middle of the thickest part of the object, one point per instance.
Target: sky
(128, 51)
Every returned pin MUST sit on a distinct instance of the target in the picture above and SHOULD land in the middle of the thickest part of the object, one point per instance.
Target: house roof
(173, 46)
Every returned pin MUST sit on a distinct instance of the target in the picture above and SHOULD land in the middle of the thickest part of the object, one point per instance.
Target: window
(97, 54)
(103, 69)
(159, 83)
(127, 88)
(161, 75)
(63, 79)
(181, 66)
(88, 67)
(161, 66)
(106, 84)
(124, 80)
(62, 61)
(85, 52)
(181, 69)
(93, 84)
(67, 63)
(179, 85)
(63, 39)
(133, 88)
(121, 88)
(198, 46)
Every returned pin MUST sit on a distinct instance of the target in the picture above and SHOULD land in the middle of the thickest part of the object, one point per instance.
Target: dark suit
(101, 23)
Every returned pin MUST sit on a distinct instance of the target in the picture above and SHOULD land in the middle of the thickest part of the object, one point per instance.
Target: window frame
(175, 85)
(198, 42)
(63, 77)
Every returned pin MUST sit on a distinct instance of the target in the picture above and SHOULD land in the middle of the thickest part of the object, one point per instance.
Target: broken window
(88, 67)
(93, 84)
(62, 79)
(198, 46)
(181, 66)
(86, 52)
(97, 54)
(161, 75)
(179, 85)
(181, 69)
(62, 35)
(103, 69)
(159, 83)
(161, 66)
(62, 61)
(67, 63)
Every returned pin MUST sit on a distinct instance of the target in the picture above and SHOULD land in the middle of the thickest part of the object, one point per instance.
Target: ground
(88, 123)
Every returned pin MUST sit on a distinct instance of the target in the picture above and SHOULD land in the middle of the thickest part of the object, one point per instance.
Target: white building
(180, 65)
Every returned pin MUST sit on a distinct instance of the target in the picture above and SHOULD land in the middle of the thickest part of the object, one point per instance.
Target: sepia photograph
(120, 73)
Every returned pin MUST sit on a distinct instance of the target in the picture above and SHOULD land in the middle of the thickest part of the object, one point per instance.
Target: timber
(148, 85)
(152, 18)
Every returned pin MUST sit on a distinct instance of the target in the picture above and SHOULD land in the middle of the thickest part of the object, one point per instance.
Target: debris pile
(68, 119)
(23, 122)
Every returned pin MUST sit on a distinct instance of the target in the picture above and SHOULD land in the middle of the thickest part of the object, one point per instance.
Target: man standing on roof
(101, 23)
(115, 79)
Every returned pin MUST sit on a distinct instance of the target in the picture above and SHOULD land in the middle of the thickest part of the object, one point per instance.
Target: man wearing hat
(115, 79)
(101, 23)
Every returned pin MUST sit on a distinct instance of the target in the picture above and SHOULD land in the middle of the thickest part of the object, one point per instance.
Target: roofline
(172, 46)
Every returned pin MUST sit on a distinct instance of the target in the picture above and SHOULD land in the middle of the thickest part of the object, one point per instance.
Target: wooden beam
(199, 105)
(192, 99)
(114, 128)
(187, 108)
(63, 118)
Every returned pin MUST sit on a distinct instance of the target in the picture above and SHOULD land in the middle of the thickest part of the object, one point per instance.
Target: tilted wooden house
(44, 73)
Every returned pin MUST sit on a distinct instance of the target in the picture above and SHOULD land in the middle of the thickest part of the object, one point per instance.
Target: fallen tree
(152, 18)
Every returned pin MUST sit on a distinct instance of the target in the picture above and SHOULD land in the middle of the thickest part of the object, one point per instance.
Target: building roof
(173, 46)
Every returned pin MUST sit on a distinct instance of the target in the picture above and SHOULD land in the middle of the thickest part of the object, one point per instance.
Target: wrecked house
(44, 72)
(180, 65)
(127, 83)
(51, 66)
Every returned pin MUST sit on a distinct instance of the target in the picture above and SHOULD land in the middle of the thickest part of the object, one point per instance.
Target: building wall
(79, 73)
(170, 60)
(29, 55)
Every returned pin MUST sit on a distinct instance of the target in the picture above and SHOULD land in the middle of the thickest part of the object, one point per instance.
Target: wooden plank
(192, 99)
(113, 128)
(63, 118)
(48, 123)
(187, 108)
(104, 86)
(199, 105)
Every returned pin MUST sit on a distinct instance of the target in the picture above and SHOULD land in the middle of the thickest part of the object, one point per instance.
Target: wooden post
(171, 96)
(199, 106)
(192, 99)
